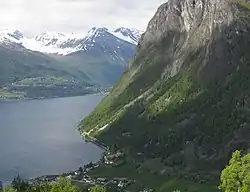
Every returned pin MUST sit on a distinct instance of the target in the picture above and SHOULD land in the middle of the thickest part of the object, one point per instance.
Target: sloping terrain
(184, 98)
(104, 57)
(19, 70)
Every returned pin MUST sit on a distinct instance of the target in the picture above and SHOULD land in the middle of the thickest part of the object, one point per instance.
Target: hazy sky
(36, 16)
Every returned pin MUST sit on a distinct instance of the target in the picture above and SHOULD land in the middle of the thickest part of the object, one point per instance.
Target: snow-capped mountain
(129, 35)
(65, 44)
(102, 41)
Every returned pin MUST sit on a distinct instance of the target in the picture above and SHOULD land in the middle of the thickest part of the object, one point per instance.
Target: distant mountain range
(64, 44)
(59, 64)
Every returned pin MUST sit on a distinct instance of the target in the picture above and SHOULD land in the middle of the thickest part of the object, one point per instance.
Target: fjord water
(39, 137)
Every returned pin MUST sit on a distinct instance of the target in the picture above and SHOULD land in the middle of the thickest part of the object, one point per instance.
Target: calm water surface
(39, 137)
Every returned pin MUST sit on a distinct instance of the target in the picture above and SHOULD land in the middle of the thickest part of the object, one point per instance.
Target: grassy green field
(244, 3)
(5, 94)
(146, 179)
(45, 81)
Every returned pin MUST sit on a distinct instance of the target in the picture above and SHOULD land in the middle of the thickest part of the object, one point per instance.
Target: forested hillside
(185, 97)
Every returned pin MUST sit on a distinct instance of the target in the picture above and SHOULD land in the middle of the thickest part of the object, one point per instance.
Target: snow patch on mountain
(52, 42)
(129, 35)
(55, 38)
(34, 45)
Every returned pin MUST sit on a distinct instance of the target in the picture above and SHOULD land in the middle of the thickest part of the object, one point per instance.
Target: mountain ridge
(62, 43)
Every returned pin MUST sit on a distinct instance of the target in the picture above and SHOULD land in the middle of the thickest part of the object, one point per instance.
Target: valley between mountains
(57, 64)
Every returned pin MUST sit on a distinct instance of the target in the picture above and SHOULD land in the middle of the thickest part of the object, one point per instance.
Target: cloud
(36, 16)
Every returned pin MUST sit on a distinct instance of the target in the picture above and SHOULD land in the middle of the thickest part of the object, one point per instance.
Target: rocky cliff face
(188, 16)
(186, 86)
(186, 27)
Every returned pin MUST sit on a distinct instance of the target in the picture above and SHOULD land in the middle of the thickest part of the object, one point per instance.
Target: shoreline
(94, 164)
(96, 142)
(51, 177)
(89, 139)
(54, 97)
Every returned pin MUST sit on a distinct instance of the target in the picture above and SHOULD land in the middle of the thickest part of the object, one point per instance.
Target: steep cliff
(185, 95)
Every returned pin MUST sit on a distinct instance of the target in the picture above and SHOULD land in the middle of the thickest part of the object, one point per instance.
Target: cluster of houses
(46, 178)
(111, 159)
(104, 182)
(147, 190)
(81, 175)
(122, 182)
